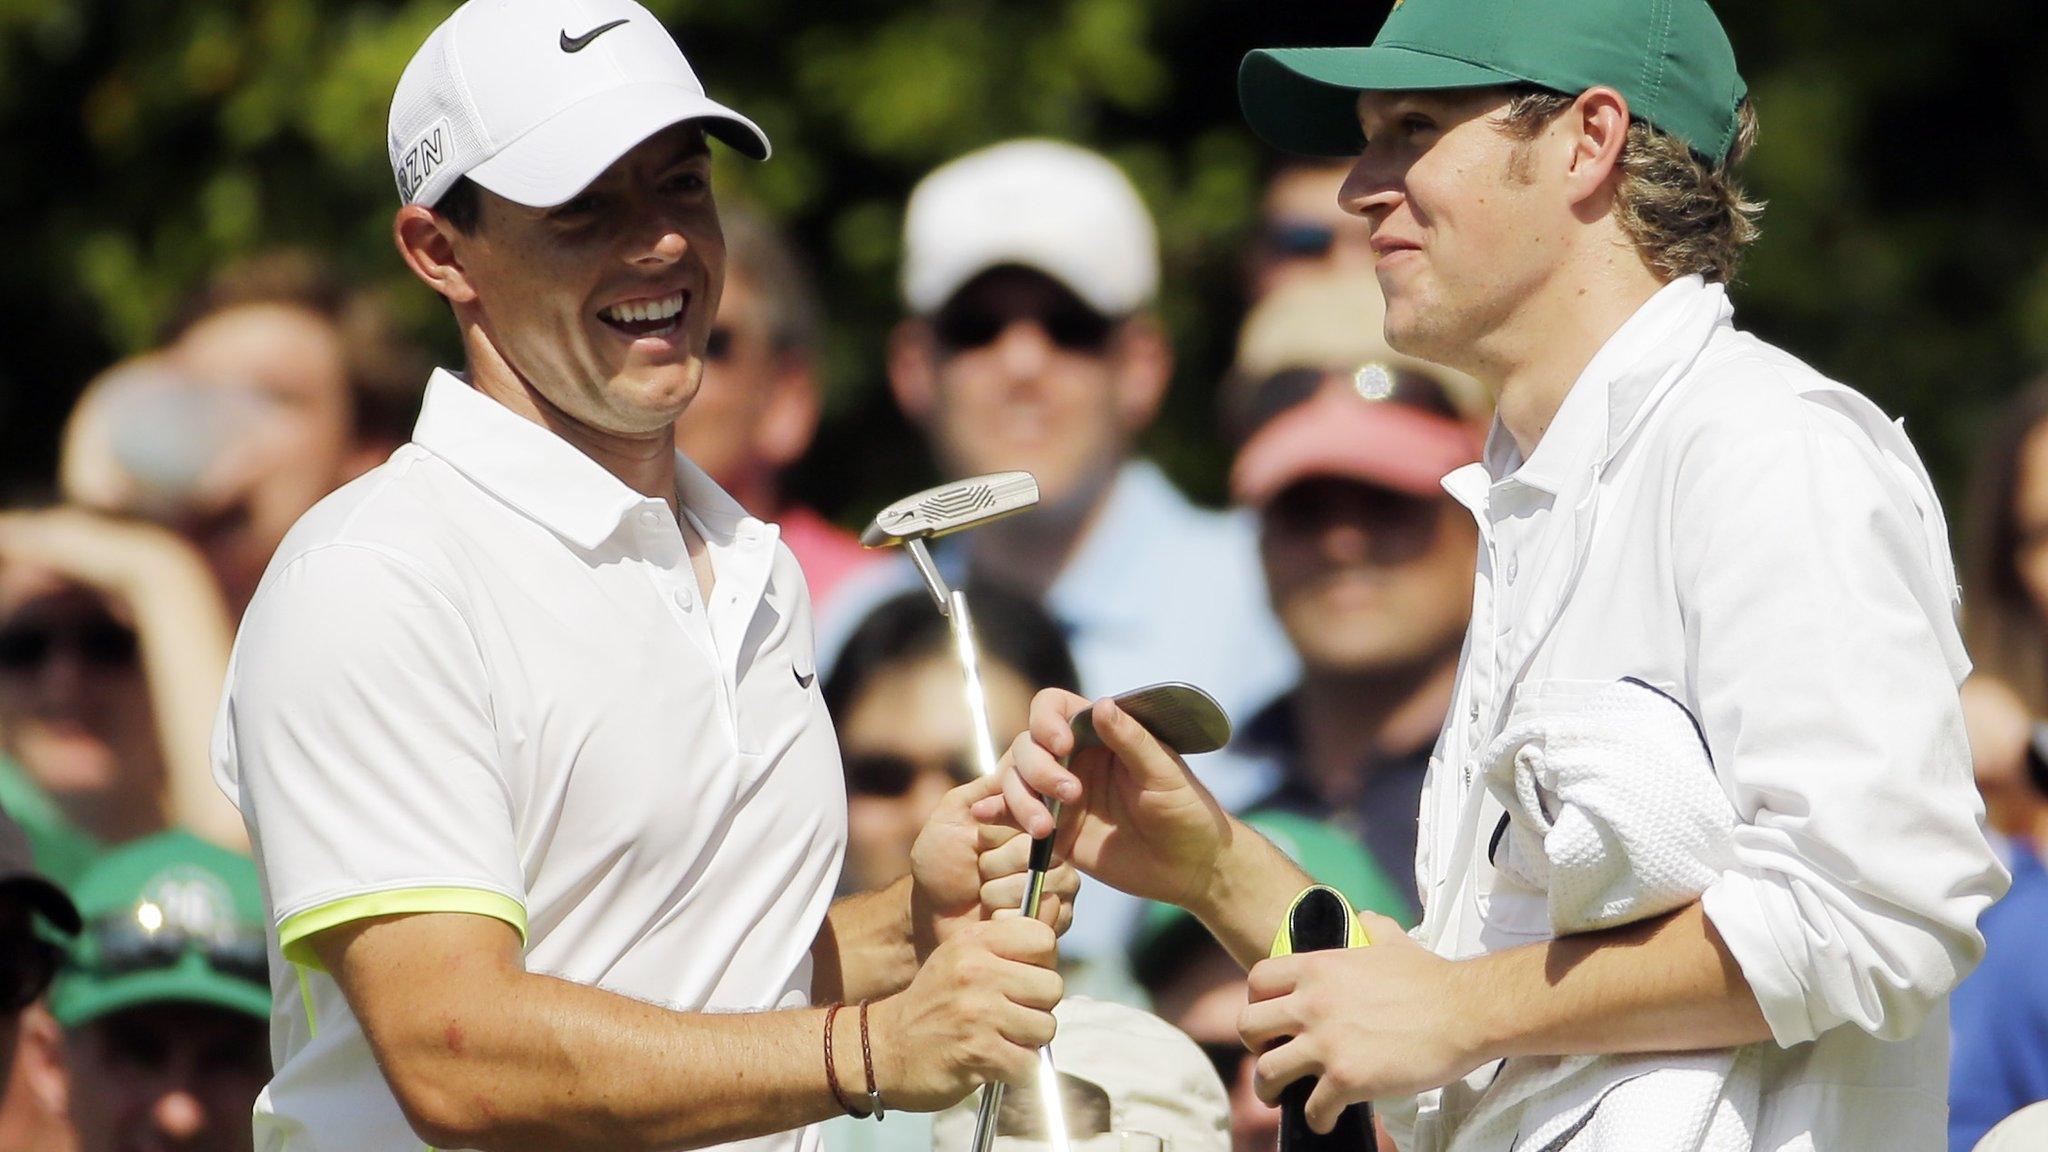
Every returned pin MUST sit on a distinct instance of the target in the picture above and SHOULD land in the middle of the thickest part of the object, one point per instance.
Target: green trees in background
(1904, 152)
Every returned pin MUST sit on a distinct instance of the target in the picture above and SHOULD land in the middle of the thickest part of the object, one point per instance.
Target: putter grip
(1320, 919)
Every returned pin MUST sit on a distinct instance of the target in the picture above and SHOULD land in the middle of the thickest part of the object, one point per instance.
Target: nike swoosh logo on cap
(579, 43)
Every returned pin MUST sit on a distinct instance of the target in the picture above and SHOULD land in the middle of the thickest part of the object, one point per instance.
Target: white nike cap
(534, 99)
(1048, 206)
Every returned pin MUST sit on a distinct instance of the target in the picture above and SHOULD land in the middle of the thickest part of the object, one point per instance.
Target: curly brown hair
(1685, 214)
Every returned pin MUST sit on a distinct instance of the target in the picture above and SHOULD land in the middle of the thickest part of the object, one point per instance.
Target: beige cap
(1125, 1072)
(1335, 320)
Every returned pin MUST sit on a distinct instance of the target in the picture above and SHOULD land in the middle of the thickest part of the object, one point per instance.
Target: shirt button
(684, 600)
(650, 517)
(1472, 713)
(1513, 568)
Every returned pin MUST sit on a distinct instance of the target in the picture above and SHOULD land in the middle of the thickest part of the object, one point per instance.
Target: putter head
(1180, 716)
(951, 507)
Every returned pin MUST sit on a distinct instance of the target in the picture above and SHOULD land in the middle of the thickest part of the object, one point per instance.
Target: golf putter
(941, 511)
(1320, 918)
(1185, 719)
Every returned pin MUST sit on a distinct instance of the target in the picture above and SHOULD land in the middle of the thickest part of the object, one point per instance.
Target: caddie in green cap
(165, 1002)
(1677, 522)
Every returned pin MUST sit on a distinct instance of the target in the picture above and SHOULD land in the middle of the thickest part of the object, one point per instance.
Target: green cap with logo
(169, 918)
(1669, 58)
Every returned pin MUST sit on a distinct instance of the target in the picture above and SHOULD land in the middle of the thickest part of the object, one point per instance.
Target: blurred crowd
(1324, 608)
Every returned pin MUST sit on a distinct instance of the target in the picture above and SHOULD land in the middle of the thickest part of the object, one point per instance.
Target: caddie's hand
(1383, 1020)
(961, 874)
(977, 1011)
(1134, 816)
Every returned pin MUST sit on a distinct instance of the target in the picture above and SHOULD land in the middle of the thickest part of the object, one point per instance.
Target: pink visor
(1340, 433)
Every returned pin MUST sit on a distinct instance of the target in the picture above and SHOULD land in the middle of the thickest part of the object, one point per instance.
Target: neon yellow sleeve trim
(293, 936)
(306, 1000)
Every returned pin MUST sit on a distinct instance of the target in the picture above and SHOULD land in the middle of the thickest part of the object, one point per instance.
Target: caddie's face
(603, 305)
(1461, 237)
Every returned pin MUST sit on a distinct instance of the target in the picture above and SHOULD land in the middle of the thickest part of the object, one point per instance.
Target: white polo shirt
(1711, 516)
(481, 679)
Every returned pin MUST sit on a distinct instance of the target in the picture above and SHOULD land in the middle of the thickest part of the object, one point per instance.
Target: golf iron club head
(1180, 716)
(950, 508)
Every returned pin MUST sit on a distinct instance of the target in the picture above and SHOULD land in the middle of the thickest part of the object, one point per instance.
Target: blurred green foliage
(1905, 153)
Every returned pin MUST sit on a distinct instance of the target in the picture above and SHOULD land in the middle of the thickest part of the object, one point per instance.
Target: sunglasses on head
(150, 937)
(1377, 382)
(28, 645)
(892, 777)
(1299, 241)
(27, 965)
(963, 326)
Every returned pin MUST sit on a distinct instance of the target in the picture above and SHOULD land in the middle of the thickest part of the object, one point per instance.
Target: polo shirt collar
(547, 478)
(1612, 394)
(521, 462)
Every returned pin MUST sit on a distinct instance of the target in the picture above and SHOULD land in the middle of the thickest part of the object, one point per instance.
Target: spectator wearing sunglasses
(1343, 443)
(1030, 271)
(1302, 229)
(113, 642)
(32, 911)
(757, 410)
(894, 696)
(166, 1000)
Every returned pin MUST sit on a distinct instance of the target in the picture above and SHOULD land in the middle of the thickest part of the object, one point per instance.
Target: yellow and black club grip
(1320, 919)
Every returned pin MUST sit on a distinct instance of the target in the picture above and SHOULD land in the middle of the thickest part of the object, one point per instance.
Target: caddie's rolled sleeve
(1832, 714)
(369, 766)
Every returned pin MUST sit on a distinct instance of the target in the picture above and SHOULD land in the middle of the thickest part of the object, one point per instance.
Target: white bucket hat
(534, 99)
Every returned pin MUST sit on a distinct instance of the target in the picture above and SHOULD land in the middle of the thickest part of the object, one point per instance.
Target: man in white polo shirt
(524, 724)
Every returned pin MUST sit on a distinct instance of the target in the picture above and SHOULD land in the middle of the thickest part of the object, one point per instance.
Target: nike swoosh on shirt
(579, 43)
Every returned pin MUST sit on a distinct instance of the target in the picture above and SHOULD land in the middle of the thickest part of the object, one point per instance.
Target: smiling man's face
(603, 304)
(1461, 237)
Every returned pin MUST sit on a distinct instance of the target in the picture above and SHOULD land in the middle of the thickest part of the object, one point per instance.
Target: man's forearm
(1664, 985)
(482, 1054)
(864, 949)
(1248, 894)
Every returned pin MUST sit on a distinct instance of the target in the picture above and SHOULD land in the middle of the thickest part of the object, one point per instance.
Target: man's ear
(1144, 367)
(914, 369)
(1597, 128)
(428, 244)
(791, 417)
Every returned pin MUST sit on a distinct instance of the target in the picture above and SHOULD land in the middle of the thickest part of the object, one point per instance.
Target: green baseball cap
(1669, 58)
(1167, 934)
(169, 918)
